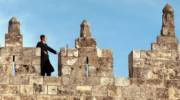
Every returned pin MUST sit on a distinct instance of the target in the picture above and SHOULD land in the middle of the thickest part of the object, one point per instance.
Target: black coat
(45, 63)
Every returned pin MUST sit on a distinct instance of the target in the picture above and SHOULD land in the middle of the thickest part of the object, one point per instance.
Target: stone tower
(14, 57)
(86, 59)
(161, 61)
(160, 65)
(14, 37)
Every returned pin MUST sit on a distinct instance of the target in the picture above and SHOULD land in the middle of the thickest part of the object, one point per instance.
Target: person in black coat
(46, 67)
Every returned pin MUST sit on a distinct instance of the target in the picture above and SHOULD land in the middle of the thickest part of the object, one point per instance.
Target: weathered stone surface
(168, 27)
(122, 82)
(86, 72)
(114, 91)
(66, 90)
(19, 80)
(36, 80)
(28, 97)
(52, 90)
(85, 42)
(9, 89)
(4, 79)
(52, 80)
(99, 90)
(11, 98)
(26, 90)
(43, 98)
(106, 81)
(69, 52)
(40, 89)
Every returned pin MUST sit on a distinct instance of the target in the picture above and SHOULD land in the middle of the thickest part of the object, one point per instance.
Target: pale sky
(122, 25)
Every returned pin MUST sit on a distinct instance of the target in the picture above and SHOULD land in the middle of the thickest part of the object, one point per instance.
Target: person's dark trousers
(43, 73)
(48, 74)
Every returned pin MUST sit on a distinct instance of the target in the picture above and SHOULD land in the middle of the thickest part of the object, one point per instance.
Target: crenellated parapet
(162, 62)
(86, 72)
(16, 59)
(86, 59)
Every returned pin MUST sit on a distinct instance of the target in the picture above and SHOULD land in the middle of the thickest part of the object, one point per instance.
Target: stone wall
(16, 59)
(86, 59)
(91, 88)
(162, 62)
(86, 72)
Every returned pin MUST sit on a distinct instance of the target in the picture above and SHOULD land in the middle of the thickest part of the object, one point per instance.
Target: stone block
(85, 42)
(84, 88)
(27, 60)
(68, 52)
(69, 61)
(104, 73)
(99, 90)
(26, 90)
(4, 52)
(87, 52)
(136, 54)
(4, 79)
(65, 80)
(173, 93)
(114, 91)
(19, 80)
(104, 52)
(11, 97)
(66, 70)
(138, 63)
(10, 51)
(28, 97)
(131, 91)
(22, 60)
(156, 54)
(66, 90)
(92, 71)
(52, 80)
(37, 68)
(105, 63)
(6, 69)
(107, 53)
(162, 93)
(36, 60)
(52, 90)
(85, 81)
(13, 40)
(9, 89)
(6, 59)
(166, 39)
(28, 51)
(37, 51)
(60, 98)
(155, 82)
(106, 81)
(36, 80)
(122, 82)
(43, 97)
(27, 70)
(40, 89)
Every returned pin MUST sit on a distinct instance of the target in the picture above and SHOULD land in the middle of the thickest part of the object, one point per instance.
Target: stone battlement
(86, 71)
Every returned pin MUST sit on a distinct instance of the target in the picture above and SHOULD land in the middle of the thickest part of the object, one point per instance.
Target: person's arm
(38, 45)
(51, 50)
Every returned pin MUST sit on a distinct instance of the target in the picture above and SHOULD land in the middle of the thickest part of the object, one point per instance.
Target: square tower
(16, 59)
(85, 59)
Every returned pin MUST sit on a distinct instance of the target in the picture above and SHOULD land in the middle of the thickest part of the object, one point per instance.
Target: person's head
(43, 38)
